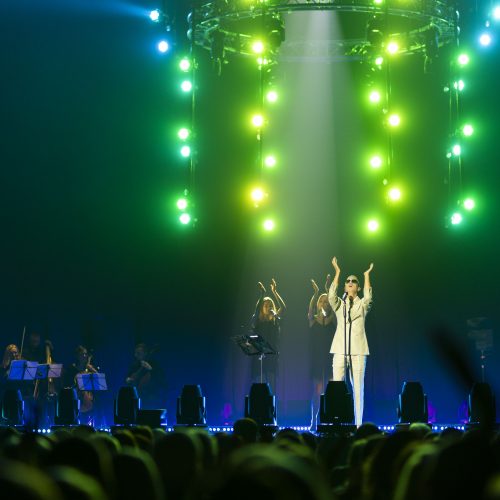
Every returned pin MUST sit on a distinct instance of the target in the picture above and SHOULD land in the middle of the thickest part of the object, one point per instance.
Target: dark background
(92, 251)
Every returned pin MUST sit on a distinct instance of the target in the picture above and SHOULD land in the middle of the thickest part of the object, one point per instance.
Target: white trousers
(357, 378)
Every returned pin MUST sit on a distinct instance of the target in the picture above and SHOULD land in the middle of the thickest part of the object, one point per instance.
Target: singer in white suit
(350, 346)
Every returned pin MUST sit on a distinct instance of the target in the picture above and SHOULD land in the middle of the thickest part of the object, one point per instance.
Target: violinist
(147, 377)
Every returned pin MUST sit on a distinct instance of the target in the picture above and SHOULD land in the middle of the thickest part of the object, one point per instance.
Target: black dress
(321, 337)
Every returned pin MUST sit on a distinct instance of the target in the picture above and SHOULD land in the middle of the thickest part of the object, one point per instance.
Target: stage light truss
(408, 22)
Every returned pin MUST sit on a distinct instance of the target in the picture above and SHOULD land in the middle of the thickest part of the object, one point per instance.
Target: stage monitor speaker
(68, 407)
(481, 404)
(412, 404)
(336, 405)
(127, 405)
(191, 406)
(260, 404)
(13, 407)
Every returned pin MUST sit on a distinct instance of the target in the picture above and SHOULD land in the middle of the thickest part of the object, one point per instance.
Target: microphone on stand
(323, 312)
(344, 296)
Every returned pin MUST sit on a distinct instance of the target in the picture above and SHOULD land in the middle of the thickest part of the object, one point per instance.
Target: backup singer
(350, 346)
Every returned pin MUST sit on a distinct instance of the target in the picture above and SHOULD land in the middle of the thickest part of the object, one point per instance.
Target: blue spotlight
(485, 39)
(163, 46)
(154, 15)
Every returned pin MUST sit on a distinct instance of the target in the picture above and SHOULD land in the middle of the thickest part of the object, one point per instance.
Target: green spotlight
(272, 96)
(186, 151)
(182, 203)
(375, 96)
(463, 59)
(185, 64)
(468, 129)
(185, 218)
(183, 133)
(456, 150)
(394, 194)
(469, 204)
(456, 218)
(392, 47)
(258, 47)
(268, 225)
(378, 2)
(257, 194)
(373, 225)
(262, 61)
(257, 120)
(270, 161)
(375, 161)
(394, 120)
(379, 60)
(459, 85)
(186, 86)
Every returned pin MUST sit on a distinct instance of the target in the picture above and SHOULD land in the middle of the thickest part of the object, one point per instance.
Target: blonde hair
(7, 355)
(264, 300)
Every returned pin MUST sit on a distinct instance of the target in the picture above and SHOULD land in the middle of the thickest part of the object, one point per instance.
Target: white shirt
(358, 312)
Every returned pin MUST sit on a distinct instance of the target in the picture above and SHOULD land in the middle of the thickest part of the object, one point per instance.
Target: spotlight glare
(376, 161)
(185, 218)
(154, 15)
(468, 129)
(373, 225)
(182, 203)
(185, 64)
(258, 47)
(257, 194)
(257, 120)
(375, 96)
(394, 120)
(186, 151)
(394, 194)
(186, 86)
(463, 59)
(272, 96)
(379, 61)
(495, 13)
(456, 150)
(378, 2)
(459, 85)
(163, 46)
(392, 47)
(270, 161)
(485, 39)
(268, 225)
(183, 134)
(456, 218)
(469, 204)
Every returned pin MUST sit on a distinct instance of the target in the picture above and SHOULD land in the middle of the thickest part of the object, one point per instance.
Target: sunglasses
(352, 281)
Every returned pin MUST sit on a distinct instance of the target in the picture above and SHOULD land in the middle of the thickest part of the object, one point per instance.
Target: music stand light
(191, 407)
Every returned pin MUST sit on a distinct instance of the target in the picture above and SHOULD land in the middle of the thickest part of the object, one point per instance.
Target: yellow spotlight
(394, 194)
(268, 225)
(272, 96)
(373, 225)
(257, 120)
(258, 47)
(270, 161)
(257, 194)
(375, 96)
(375, 161)
(394, 120)
(379, 60)
(392, 47)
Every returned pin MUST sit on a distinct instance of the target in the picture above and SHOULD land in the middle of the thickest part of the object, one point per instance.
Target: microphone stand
(350, 331)
(345, 339)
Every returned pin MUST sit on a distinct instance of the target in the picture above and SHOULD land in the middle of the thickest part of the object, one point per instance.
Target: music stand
(21, 369)
(255, 345)
(48, 371)
(91, 382)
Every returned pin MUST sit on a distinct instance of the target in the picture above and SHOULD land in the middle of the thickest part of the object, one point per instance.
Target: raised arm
(312, 303)
(332, 292)
(328, 282)
(255, 316)
(280, 302)
(367, 288)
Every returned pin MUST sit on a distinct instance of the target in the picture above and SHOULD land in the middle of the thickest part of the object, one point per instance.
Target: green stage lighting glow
(463, 59)
(182, 203)
(373, 225)
(378, 2)
(394, 120)
(183, 133)
(185, 218)
(459, 85)
(257, 120)
(257, 194)
(270, 161)
(392, 47)
(375, 96)
(379, 60)
(456, 218)
(258, 47)
(468, 129)
(456, 150)
(185, 64)
(268, 225)
(186, 86)
(469, 204)
(375, 161)
(394, 194)
(185, 151)
(272, 96)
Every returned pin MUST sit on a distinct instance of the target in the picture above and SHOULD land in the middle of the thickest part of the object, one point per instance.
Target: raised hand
(261, 287)
(336, 265)
(369, 270)
(328, 282)
(315, 287)
(273, 285)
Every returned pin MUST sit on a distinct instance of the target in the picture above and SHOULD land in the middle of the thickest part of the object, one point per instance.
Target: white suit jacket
(358, 312)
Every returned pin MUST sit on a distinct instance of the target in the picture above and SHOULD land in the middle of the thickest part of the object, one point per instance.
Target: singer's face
(266, 307)
(352, 285)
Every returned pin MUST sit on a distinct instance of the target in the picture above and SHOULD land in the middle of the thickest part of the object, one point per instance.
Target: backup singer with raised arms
(350, 346)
